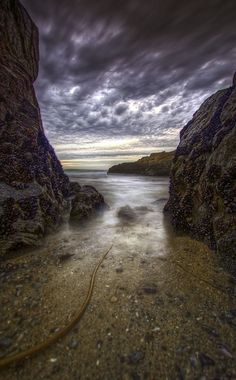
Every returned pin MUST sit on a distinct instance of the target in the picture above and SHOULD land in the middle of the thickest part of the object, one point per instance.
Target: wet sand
(162, 306)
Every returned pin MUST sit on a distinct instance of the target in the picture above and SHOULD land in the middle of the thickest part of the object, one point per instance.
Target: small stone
(125, 376)
(113, 299)
(99, 344)
(34, 303)
(64, 256)
(193, 361)
(53, 360)
(179, 375)
(150, 289)
(54, 330)
(233, 321)
(211, 331)
(119, 270)
(126, 213)
(233, 312)
(73, 343)
(135, 376)
(135, 357)
(37, 285)
(149, 338)
(225, 351)
(205, 360)
(5, 343)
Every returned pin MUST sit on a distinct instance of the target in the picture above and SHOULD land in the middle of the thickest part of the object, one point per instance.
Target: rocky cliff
(157, 164)
(203, 177)
(34, 191)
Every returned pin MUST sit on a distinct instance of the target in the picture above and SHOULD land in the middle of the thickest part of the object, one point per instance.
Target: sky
(119, 79)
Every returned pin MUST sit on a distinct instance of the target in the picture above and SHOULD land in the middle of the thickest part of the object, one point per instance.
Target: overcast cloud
(119, 79)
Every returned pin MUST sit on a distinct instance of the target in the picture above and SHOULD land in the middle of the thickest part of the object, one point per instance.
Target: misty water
(146, 197)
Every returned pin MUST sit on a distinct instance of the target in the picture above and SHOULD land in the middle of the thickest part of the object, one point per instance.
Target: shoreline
(151, 312)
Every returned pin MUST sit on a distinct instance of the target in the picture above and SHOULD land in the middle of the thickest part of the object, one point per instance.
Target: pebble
(233, 312)
(179, 375)
(53, 360)
(233, 321)
(73, 343)
(34, 303)
(113, 299)
(135, 376)
(149, 338)
(193, 361)
(99, 344)
(135, 357)
(37, 285)
(5, 342)
(150, 289)
(119, 270)
(159, 301)
(211, 331)
(205, 360)
(225, 351)
(64, 256)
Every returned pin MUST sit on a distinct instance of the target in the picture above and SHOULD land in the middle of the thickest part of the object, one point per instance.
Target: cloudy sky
(119, 79)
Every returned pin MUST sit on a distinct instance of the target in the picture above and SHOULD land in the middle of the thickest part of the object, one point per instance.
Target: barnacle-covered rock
(203, 177)
(35, 193)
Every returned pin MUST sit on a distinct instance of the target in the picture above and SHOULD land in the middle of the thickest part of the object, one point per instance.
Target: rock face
(157, 164)
(203, 177)
(34, 191)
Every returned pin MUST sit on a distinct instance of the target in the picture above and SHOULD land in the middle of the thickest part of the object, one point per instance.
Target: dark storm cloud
(121, 108)
(130, 67)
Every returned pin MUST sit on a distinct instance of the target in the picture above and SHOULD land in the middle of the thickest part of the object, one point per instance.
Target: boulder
(127, 214)
(202, 199)
(85, 201)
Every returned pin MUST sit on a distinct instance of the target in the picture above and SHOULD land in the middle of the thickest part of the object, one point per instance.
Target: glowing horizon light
(105, 144)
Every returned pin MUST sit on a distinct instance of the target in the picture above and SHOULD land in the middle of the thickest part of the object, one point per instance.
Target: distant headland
(157, 164)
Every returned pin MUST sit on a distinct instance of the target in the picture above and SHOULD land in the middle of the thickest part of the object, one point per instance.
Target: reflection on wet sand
(162, 307)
